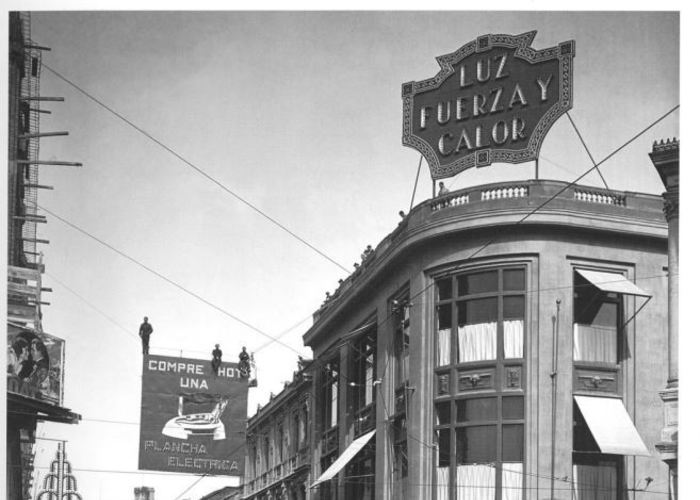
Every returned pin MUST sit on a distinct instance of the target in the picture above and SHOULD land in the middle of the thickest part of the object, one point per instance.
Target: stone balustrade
(595, 196)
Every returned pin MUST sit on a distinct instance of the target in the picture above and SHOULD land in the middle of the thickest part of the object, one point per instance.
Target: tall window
(400, 455)
(596, 475)
(329, 417)
(360, 475)
(329, 489)
(364, 375)
(329, 388)
(597, 317)
(267, 453)
(281, 444)
(479, 405)
(303, 419)
(402, 335)
(402, 338)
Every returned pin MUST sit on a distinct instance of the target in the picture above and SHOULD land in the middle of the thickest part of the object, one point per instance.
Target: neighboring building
(35, 358)
(504, 342)
(225, 493)
(665, 156)
(277, 436)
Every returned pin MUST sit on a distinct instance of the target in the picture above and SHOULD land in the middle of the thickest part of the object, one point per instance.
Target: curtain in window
(513, 338)
(369, 379)
(302, 429)
(443, 483)
(595, 482)
(334, 404)
(512, 481)
(476, 482)
(444, 347)
(595, 343)
(477, 342)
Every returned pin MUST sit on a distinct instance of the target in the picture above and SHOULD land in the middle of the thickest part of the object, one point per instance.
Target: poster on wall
(192, 417)
(35, 365)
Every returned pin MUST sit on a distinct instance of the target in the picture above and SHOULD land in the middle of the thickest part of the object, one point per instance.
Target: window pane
(595, 343)
(476, 444)
(444, 287)
(443, 413)
(477, 283)
(514, 307)
(481, 311)
(514, 279)
(444, 334)
(513, 443)
(477, 332)
(606, 315)
(513, 408)
(595, 480)
(445, 317)
(444, 447)
(470, 410)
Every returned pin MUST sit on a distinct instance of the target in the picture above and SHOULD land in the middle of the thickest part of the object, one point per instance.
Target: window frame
(498, 389)
(606, 297)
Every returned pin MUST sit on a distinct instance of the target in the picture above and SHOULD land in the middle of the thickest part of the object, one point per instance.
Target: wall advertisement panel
(192, 419)
(35, 365)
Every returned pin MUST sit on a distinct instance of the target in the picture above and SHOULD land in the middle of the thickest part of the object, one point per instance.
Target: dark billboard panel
(192, 419)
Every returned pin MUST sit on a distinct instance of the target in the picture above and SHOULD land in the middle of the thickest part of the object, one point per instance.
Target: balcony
(365, 420)
(279, 472)
(329, 440)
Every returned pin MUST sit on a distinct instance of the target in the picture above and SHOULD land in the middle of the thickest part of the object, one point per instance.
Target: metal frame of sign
(565, 52)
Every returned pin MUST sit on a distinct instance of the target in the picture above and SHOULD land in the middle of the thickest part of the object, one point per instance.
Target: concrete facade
(549, 230)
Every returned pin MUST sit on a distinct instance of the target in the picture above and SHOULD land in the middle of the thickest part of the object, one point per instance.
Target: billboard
(192, 419)
(35, 365)
(493, 100)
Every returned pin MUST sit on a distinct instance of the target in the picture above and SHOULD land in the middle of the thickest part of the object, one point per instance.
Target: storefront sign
(35, 365)
(493, 100)
(192, 419)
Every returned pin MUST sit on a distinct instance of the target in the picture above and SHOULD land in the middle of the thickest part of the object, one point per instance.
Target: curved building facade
(504, 342)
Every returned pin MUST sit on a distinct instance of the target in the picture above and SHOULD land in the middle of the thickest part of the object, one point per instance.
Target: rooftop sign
(493, 100)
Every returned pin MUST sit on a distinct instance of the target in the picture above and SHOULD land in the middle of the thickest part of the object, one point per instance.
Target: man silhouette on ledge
(145, 332)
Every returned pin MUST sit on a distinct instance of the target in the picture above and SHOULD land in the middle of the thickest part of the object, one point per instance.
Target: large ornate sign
(493, 100)
(193, 416)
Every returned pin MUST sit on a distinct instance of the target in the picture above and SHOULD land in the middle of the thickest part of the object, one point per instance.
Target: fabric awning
(611, 426)
(612, 282)
(344, 458)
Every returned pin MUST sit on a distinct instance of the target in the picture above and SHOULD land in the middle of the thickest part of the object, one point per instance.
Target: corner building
(486, 350)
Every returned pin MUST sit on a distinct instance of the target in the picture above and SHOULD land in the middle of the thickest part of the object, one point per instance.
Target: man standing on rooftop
(145, 332)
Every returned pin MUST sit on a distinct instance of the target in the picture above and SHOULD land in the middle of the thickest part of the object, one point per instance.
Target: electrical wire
(168, 280)
(136, 338)
(539, 207)
(194, 167)
(491, 241)
(585, 146)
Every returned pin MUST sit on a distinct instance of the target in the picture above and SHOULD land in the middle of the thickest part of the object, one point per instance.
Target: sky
(298, 113)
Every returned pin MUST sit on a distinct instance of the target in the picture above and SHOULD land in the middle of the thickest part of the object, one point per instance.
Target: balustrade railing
(503, 192)
(449, 200)
(592, 196)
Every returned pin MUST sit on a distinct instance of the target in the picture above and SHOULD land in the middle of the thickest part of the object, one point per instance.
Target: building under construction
(35, 357)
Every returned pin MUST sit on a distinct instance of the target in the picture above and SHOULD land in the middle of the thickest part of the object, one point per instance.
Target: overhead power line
(172, 282)
(197, 169)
